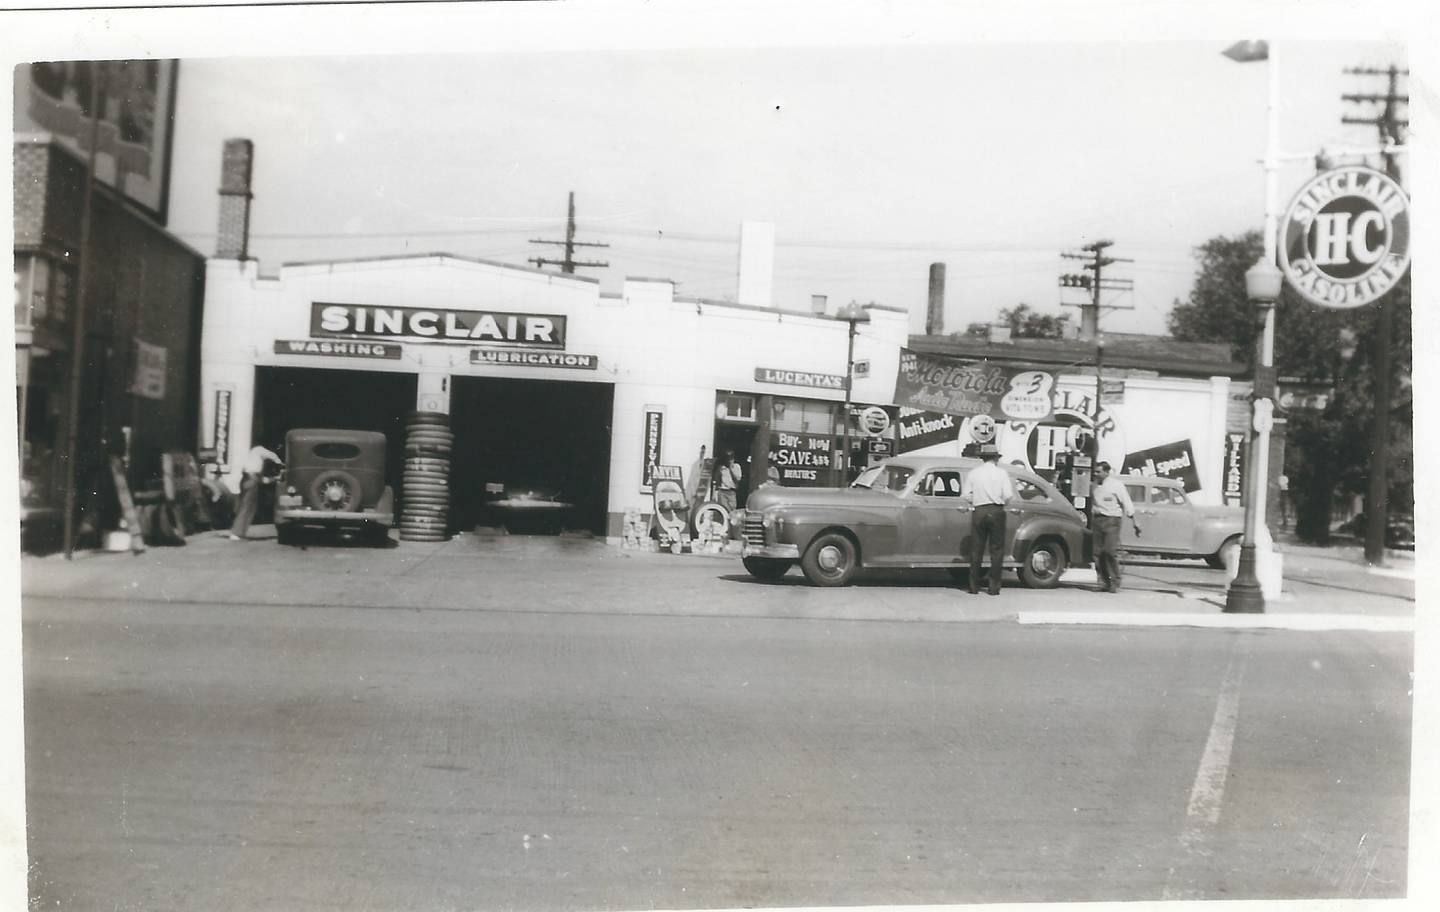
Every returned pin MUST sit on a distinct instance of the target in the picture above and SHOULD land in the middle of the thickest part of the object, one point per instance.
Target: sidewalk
(1323, 589)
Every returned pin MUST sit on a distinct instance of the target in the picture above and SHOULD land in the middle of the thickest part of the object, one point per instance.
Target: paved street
(559, 725)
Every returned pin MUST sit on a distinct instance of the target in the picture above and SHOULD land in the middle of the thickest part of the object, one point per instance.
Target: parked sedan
(1171, 525)
(907, 513)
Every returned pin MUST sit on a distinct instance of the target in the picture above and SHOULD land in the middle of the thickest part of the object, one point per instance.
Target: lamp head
(1263, 282)
(853, 313)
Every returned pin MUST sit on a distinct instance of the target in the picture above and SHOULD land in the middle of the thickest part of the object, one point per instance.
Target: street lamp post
(1245, 595)
(852, 314)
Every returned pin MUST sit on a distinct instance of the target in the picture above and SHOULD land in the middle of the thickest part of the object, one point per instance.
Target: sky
(871, 161)
(878, 138)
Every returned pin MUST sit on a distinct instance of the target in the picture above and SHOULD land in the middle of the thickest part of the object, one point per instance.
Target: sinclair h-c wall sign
(1345, 240)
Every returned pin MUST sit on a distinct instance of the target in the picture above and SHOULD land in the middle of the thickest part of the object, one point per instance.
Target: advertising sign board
(966, 388)
(1346, 237)
(1233, 487)
(919, 428)
(802, 457)
(1168, 460)
(654, 436)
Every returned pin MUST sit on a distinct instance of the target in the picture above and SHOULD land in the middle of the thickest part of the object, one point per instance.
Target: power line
(568, 264)
(1096, 283)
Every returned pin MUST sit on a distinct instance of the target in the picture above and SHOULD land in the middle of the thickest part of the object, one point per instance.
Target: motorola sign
(1346, 237)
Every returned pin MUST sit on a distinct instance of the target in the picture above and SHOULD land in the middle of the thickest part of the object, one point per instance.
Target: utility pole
(568, 264)
(1096, 283)
(1390, 124)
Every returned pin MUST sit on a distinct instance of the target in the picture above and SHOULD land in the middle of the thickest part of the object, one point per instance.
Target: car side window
(1177, 496)
(1136, 492)
(1030, 491)
(941, 484)
(1159, 495)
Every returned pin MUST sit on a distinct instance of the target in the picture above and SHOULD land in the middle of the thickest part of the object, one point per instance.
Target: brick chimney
(233, 242)
(935, 313)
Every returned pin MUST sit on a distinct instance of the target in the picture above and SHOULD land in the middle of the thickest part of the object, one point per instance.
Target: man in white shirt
(1109, 501)
(988, 488)
(727, 478)
(252, 475)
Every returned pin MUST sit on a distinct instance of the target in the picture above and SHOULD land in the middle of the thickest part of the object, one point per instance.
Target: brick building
(140, 374)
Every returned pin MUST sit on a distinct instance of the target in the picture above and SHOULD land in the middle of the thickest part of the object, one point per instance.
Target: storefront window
(802, 416)
(60, 289)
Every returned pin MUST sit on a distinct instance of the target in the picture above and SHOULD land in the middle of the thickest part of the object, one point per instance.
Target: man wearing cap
(988, 488)
(1110, 502)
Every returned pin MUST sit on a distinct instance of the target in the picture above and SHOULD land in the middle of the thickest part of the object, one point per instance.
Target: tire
(767, 568)
(427, 418)
(1218, 560)
(446, 438)
(714, 517)
(334, 490)
(427, 464)
(428, 450)
(416, 498)
(831, 560)
(1043, 564)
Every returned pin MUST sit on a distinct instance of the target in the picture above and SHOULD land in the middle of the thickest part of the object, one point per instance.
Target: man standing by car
(988, 488)
(252, 475)
(1110, 501)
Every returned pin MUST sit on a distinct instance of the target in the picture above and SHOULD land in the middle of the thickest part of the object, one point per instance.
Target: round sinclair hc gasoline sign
(1346, 238)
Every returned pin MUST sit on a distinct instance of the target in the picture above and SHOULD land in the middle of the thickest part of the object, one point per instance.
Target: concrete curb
(1378, 624)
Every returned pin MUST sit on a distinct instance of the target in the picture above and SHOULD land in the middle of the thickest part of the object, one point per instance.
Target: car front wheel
(1043, 566)
(830, 560)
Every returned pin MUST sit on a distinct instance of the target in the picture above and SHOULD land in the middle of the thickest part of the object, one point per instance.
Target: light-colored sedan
(907, 513)
(1171, 525)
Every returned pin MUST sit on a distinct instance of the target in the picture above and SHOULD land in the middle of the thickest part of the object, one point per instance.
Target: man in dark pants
(1110, 502)
(988, 488)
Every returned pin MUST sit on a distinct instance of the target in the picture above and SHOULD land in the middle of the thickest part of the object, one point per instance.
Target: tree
(1025, 322)
(1327, 455)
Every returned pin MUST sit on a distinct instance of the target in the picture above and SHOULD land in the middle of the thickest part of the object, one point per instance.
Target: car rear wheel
(1223, 555)
(1043, 565)
(335, 490)
(831, 560)
(767, 568)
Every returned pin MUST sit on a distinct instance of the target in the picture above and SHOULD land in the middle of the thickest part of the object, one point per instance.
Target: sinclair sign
(1346, 238)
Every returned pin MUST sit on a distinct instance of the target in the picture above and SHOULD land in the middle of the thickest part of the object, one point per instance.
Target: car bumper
(790, 552)
(334, 518)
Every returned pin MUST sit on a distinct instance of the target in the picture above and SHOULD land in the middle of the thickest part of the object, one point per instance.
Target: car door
(1173, 518)
(1166, 520)
(934, 520)
(1027, 494)
(1143, 513)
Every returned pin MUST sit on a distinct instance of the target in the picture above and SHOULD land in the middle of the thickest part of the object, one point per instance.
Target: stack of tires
(425, 503)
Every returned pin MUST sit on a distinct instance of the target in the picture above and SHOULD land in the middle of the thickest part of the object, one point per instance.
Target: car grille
(754, 531)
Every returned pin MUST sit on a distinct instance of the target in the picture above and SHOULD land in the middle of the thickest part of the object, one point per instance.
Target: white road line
(1209, 788)
(1208, 792)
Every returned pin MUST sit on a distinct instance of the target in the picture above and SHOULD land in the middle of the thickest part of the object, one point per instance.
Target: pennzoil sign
(1346, 238)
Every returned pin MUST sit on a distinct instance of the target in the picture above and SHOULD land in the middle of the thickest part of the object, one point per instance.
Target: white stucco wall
(655, 348)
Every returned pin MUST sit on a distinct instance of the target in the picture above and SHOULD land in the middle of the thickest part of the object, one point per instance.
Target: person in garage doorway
(1111, 501)
(988, 488)
(252, 476)
(727, 481)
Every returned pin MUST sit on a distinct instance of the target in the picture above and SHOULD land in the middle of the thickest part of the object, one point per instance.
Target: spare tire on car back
(335, 489)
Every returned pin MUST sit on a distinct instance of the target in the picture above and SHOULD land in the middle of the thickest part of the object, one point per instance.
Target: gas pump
(1082, 448)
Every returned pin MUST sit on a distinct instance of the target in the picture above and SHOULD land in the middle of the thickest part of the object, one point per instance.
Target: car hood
(775, 496)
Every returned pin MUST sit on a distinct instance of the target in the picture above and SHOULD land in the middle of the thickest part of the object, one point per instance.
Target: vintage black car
(907, 513)
(334, 480)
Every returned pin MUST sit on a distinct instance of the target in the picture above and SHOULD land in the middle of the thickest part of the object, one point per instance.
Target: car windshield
(888, 477)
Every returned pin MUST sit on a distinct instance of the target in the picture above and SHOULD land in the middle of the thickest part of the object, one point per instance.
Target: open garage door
(295, 397)
(544, 437)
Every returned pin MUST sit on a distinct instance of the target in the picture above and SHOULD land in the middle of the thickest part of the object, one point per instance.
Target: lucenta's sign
(438, 324)
(1346, 237)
